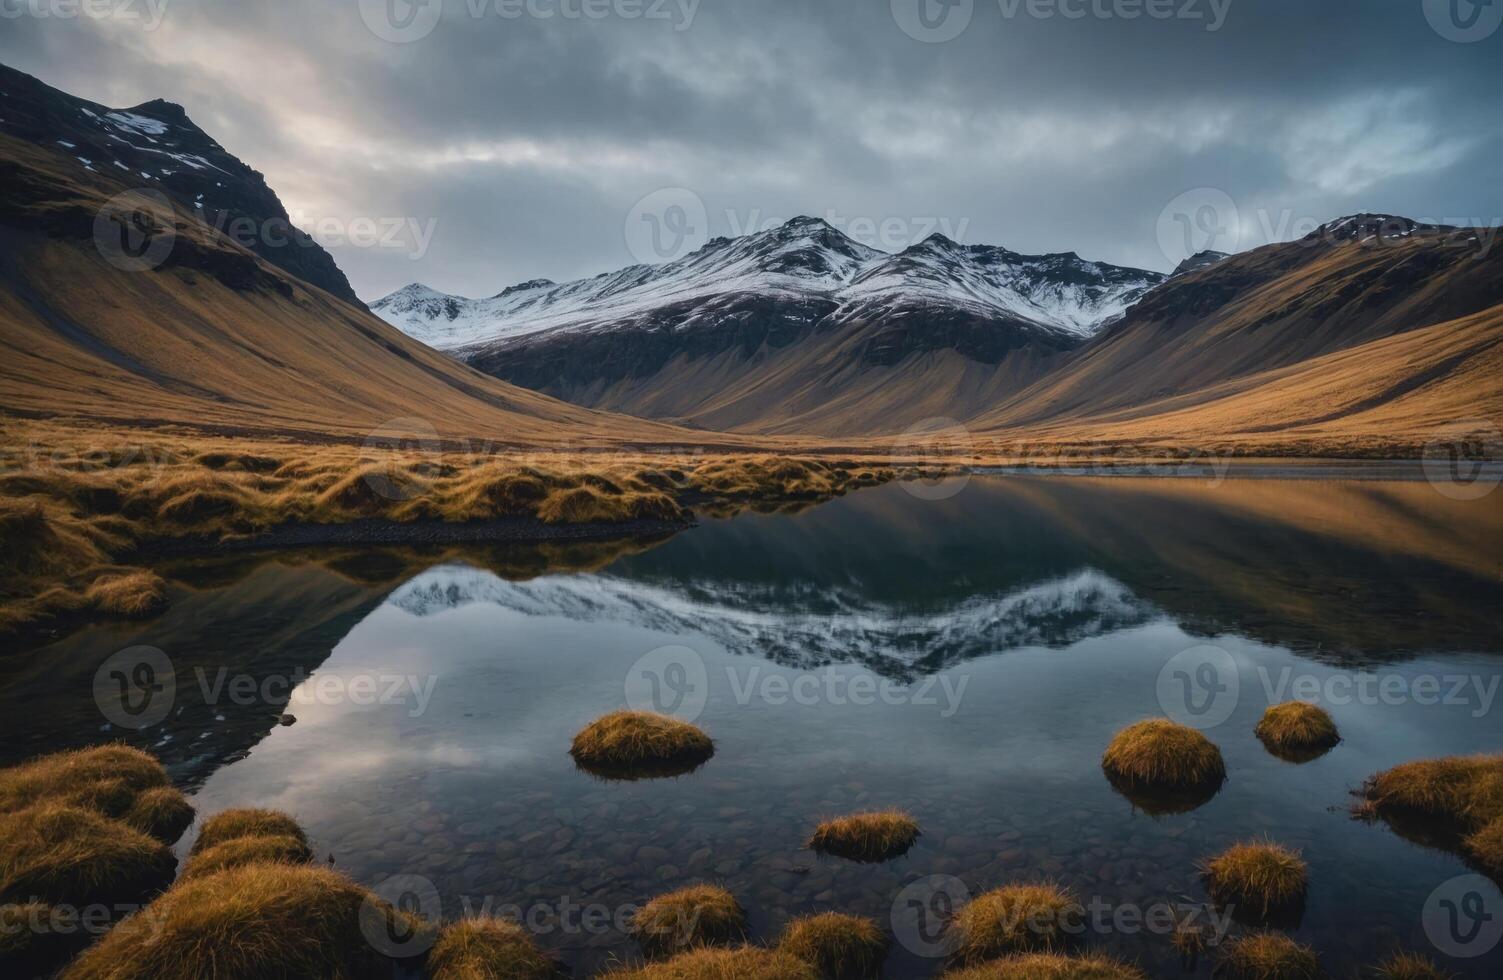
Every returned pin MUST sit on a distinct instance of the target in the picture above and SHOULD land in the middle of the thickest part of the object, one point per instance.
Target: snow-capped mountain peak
(805, 260)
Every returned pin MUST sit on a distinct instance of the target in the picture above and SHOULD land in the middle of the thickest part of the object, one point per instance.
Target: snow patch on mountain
(804, 259)
(803, 627)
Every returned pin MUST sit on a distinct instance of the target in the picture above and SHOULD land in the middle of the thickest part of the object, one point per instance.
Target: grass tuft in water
(1260, 881)
(1024, 918)
(488, 948)
(839, 947)
(867, 836)
(625, 744)
(699, 915)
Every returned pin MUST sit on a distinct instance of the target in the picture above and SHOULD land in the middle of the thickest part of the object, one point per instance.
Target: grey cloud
(529, 140)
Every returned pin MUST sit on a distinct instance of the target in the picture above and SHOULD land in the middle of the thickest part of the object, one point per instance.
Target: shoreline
(376, 532)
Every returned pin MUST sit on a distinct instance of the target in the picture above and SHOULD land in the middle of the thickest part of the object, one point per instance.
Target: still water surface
(965, 659)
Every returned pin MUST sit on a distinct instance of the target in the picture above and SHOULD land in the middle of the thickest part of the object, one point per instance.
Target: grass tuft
(162, 811)
(1159, 755)
(1260, 880)
(1048, 966)
(258, 920)
(628, 743)
(1409, 966)
(746, 963)
(134, 595)
(1297, 731)
(278, 849)
(1457, 798)
(867, 836)
(488, 949)
(68, 855)
(839, 947)
(699, 915)
(1267, 956)
(1023, 918)
(247, 822)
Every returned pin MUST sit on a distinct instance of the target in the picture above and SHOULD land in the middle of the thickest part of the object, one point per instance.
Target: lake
(965, 658)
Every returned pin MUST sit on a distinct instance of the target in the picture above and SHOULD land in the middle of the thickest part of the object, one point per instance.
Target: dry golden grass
(867, 836)
(1409, 966)
(699, 915)
(114, 781)
(247, 822)
(162, 811)
(1460, 796)
(70, 855)
(71, 511)
(488, 949)
(624, 743)
(258, 920)
(746, 963)
(839, 947)
(1049, 966)
(1297, 729)
(1025, 918)
(278, 849)
(1259, 878)
(1160, 753)
(131, 594)
(1267, 956)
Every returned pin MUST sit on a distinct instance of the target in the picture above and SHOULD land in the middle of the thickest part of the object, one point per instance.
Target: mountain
(1199, 260)
(1372, 328)
(782, 330)
(155, 145)
(210, 334)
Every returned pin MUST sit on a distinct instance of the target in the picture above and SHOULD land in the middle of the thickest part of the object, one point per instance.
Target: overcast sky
(524, 135)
